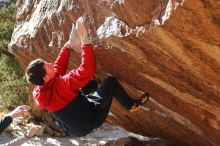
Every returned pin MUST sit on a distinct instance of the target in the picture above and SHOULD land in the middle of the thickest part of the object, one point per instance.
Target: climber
(8, 119)
(67, 96)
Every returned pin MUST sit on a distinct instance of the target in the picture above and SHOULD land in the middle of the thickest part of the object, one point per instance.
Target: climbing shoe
(144, 98)
(135, 107)
(138, 103)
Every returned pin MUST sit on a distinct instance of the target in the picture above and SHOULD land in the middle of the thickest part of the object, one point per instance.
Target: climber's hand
(74, 38)
(82, 31)
(68, 45)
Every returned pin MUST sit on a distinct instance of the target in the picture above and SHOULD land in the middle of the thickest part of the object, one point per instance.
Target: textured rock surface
(106, 135)
(171, 51)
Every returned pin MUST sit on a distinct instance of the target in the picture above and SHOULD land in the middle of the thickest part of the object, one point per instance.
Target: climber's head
(39, 72)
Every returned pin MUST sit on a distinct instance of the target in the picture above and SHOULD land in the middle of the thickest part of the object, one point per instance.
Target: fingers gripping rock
(74, 37)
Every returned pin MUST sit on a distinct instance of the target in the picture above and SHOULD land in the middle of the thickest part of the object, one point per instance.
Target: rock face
(170, 48)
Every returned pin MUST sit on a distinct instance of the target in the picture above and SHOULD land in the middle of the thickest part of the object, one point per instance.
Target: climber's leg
(90, 87)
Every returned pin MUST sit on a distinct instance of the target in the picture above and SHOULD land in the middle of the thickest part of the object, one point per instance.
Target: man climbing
(67, 95)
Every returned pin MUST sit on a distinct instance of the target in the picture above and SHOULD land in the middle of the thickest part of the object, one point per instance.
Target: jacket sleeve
(17, 142)
(5, 122)
(61, 63)
(78, 78)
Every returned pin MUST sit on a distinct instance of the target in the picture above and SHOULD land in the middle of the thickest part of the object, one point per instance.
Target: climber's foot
(138, 103)
(144, 98)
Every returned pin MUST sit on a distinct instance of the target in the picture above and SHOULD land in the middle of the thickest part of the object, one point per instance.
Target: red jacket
(64, 88)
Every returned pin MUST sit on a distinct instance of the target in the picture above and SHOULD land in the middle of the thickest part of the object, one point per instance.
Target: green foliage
(7, 21)
(13, 87)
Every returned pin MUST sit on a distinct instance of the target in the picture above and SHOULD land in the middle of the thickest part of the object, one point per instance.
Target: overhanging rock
(170, 48)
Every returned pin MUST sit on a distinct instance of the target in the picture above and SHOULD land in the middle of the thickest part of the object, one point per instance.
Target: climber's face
(50, 73)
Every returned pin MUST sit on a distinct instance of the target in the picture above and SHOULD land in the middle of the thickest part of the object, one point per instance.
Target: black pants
(87, 112)
(103, 96)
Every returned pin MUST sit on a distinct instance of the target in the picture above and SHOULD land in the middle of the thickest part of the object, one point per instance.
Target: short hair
(35, 72)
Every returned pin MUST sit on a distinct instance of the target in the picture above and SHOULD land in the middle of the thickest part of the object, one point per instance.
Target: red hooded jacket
(64, 88)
